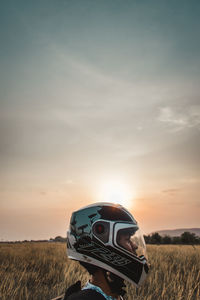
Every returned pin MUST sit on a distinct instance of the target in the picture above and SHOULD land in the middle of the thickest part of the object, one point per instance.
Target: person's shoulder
(86, 295)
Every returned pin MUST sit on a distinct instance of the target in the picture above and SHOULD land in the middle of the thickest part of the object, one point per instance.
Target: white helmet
(107, 235)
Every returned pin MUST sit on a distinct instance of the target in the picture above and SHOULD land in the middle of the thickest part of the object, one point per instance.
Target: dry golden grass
(42, 271)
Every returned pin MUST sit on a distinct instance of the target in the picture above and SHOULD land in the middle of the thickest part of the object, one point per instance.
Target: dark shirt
(74, 292)
(86, 295)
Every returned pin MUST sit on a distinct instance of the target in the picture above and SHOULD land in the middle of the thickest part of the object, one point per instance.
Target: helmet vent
(99, 228)
(101, 231)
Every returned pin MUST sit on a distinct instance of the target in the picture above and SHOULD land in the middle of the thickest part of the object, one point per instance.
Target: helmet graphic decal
(107, 255)
(81, 222)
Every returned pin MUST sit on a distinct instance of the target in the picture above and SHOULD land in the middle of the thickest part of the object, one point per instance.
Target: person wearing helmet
(106, 239)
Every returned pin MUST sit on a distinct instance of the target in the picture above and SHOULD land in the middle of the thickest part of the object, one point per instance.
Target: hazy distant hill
(178, 232)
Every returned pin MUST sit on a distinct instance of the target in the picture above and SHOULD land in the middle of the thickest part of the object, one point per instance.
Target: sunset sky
(99, 101)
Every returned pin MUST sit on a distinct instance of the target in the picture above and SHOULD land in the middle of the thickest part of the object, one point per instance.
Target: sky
(99, 101)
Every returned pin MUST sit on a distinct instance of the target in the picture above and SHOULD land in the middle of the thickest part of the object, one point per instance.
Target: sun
(115, 192)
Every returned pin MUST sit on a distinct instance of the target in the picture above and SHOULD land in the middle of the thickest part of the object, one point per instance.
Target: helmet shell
(92, 238)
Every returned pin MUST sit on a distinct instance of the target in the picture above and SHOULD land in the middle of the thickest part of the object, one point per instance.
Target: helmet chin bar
(84, 258)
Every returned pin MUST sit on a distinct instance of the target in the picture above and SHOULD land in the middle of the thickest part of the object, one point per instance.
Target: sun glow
(116, 192)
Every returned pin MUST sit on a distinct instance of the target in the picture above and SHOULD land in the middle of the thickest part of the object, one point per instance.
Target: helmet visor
(129, 238)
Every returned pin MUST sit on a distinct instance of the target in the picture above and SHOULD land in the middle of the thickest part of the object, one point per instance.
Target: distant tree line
(58, 239)
(186, 238)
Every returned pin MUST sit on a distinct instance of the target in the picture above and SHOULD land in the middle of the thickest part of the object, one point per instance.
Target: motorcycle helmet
(106, 235)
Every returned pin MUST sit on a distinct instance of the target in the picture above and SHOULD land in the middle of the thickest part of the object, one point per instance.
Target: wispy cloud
(170, 191)
(179, 120)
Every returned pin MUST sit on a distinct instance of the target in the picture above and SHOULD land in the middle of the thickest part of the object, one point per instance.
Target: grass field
(42, 271)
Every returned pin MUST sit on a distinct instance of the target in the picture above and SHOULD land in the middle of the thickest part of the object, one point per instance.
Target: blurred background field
(42, 271)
